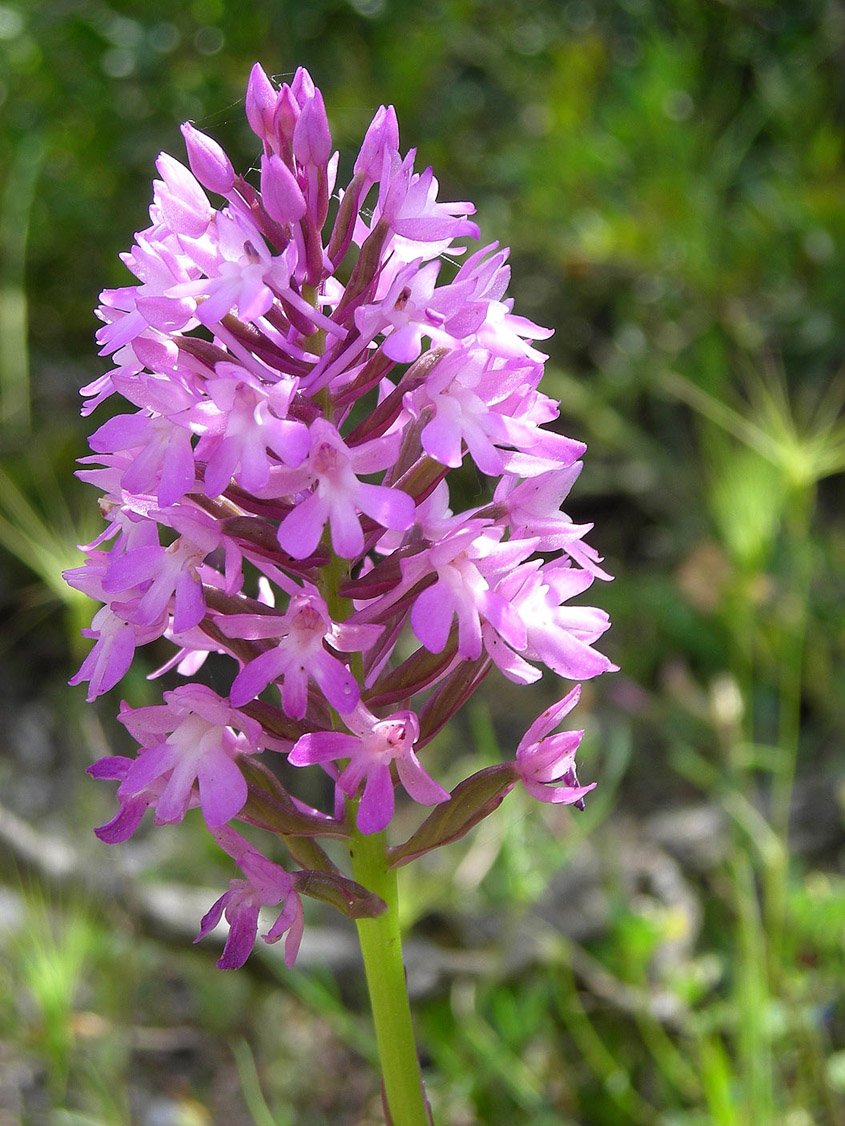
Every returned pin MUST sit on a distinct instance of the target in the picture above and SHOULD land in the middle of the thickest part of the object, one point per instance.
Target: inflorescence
(304, 382)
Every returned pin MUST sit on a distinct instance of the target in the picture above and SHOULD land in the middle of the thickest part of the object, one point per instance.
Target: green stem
(380, 938)
(381, 947)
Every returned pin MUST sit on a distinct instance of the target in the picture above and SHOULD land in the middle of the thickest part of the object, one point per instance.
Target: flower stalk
(381, 948)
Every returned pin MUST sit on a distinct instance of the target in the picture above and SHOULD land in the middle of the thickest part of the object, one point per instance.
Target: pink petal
(510, 664)
(295, 692)
(221, 467)
(243, 929)
(347, 537)
(300, 531)
(190, 602)
(112, 766)
(442, 437)
(134, 567)
(567, 655)
(255, 676)
(336, 682)
(323, 746)
(558, 795)
(392, 508)
(173, 802)
(417, 782)
(432, 616)
(252, 626)
(377, 804)
(550, 718)
(404, 343)
(147, 768)
(125, 822)
(223, 789)
(213, 916)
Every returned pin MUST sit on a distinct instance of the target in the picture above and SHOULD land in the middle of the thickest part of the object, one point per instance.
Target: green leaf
(349, 898)
(470, 802)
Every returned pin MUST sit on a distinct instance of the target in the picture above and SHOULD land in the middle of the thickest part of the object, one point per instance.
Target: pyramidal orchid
(304, 368)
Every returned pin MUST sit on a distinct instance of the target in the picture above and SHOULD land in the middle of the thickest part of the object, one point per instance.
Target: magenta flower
(115, 642)
(246, 432)
(299, 655)
(561, 637)
(202, 748)
(266, 884)
(463, 396)
(533, 510)
(163, 461)
(169, 577)
(240, 272)
(373, 746)
(338, 496)
(464, 562)
(408, 204)
(546, 763)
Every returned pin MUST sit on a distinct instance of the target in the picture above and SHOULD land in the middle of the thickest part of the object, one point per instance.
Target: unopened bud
(383, 134)
(280, 194)
(302, 88)
(208, 161)
(285, 118)
(261, 98)
(312, 141)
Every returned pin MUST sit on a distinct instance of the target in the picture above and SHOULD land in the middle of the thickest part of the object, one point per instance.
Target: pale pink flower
(373, 746)
(299, 655)
(205, 736)
(265, 884)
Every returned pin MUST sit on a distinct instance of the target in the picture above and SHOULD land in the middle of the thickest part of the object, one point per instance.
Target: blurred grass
(670, 177)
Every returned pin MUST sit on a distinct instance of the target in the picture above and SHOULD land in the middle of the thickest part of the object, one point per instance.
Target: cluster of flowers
(280, 496)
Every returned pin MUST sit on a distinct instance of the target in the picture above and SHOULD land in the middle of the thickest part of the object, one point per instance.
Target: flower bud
(208, 161)
(261, 98)
(280, 193)
(382, 134)
(302, 88)
(285, 117)
(312, 141)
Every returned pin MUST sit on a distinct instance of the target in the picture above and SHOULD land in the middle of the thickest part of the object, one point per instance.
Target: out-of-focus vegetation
(670, 176)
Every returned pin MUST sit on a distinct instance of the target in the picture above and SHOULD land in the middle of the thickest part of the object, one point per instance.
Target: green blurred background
(670, 178)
